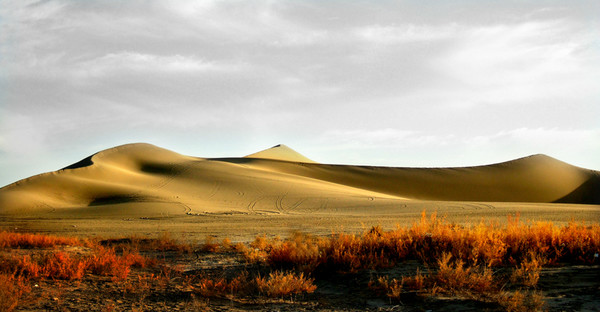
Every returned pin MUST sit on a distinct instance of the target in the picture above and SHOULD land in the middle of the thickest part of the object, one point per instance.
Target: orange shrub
(521, 302)
(28, 240)
(106, 262)
(455, 277)
(57, 265)
(528, 272)
(12, 290)
(62, 266)
(223, 287)
(392, 289)
(416, 282)
(427, 240)
(300, 250)
(280, 284)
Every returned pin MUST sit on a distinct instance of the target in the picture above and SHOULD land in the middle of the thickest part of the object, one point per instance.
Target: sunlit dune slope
(281, 152)
(142, 178)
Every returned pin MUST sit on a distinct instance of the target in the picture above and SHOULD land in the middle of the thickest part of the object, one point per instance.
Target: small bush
(455, 277)
(223, 287)
(280, 284)
(28, 240)
(12, 290)
(528, 273)
(521, 302)
(392, 289)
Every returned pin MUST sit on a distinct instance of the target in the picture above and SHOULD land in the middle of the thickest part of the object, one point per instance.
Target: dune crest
(281, 152)
(138, 178)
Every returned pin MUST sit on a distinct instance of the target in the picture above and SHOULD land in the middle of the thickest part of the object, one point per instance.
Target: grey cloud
(405, 74)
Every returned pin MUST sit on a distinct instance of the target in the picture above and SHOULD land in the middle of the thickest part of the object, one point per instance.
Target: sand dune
(281, 152)
(142, 179)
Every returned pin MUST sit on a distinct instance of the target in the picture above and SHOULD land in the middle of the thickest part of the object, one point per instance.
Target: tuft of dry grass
(455, 277)
(281, 284)
(528, 272)
(277, 284)
(65, 266)
(12, 290)
(223, 287)
(429, 239)
(518, 301)
(29, 240)
(391, 288)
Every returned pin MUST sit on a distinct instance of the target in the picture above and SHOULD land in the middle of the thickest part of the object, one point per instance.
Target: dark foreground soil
(571, 288)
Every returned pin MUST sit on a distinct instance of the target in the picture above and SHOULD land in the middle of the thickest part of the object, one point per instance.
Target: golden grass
(12, 290)
(29, 240)
(282, 284)
(428, 240)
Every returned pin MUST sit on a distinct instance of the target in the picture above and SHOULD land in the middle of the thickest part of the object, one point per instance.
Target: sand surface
(144, 189)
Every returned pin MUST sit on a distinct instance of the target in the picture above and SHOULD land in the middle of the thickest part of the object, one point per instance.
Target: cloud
(522, 62)
(428, 83)
(399, 34)
(120, 62)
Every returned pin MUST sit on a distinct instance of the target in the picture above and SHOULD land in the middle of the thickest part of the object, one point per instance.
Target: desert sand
(144, 189)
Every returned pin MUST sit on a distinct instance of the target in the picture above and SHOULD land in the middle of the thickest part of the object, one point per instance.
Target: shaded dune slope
(536, 178)
(279, 180)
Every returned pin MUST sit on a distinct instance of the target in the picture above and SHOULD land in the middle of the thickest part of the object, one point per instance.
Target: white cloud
(517, 63)
(406, 33)
(145, 63)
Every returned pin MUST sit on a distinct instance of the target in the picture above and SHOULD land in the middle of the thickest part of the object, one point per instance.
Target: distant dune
(142, 178)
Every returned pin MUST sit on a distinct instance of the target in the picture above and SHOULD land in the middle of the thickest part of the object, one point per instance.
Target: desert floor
(241, 227)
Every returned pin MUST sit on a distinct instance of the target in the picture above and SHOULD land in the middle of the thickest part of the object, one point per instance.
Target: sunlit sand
(143, 188)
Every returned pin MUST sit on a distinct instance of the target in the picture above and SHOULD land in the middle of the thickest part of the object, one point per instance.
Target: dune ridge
(140, 178)
(280, 152)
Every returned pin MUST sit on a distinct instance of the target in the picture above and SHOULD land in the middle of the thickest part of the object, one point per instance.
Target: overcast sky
(396, 83)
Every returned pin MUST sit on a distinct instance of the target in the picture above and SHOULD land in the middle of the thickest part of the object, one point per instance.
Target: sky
(390, 83)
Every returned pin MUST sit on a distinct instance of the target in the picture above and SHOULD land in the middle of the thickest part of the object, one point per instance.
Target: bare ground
(571, 288)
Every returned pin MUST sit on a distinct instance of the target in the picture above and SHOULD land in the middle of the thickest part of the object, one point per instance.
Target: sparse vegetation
(495, 264)
(282, 284)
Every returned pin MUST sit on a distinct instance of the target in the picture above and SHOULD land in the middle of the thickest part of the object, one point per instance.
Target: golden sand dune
(141, 179)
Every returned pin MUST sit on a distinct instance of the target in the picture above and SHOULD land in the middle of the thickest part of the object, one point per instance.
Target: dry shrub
(395, 288)
(427, 240)
(223, 287)
(253, 254)
(416, 283)
(280, 284)
(455, 277)
(528, 273)
(12, 290)
(61, 265)
(57, 265)
(518, 301)
(226, 244)
(353, 253)
(28, 240)
(392, 289)
(165, 242)
(210, 245)
(301, 250)
(106, 262)
(65, 266)
(141, 287)
(22, 266)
